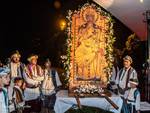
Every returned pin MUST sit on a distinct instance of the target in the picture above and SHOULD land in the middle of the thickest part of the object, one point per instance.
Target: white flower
(69, 12)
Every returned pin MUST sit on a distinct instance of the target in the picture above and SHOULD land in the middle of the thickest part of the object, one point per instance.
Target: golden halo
(89, 11)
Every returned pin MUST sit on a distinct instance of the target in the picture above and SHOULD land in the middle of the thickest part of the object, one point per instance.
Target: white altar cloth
(63, 102)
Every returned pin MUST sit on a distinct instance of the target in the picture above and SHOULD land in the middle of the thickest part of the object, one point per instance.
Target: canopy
(130, 13)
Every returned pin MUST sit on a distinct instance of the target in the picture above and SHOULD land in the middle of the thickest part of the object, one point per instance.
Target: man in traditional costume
(132, 97)
(113, 84)
(4, 80)
(33, 78)
(125, 74)
(17, 68)
(51, 85)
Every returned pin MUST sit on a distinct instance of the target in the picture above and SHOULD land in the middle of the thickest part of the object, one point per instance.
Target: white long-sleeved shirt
(3, 104)
(15, 69)
(35, 79)
(122, 77)
(48, 86)
(49, 73)
(32, 93)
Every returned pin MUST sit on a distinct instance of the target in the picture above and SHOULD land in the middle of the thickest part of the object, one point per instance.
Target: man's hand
(121, 91)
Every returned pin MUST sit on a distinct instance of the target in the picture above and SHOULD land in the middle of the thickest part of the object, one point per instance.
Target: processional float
(90, 51)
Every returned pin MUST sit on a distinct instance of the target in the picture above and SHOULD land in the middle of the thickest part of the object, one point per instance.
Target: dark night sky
(31, 26)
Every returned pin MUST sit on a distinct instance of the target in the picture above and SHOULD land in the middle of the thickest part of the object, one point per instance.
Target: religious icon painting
(89, 32)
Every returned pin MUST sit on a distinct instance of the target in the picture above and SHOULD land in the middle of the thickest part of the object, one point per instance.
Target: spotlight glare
(141, 1)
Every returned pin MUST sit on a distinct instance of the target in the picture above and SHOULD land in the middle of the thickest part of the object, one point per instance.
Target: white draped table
(64, 102)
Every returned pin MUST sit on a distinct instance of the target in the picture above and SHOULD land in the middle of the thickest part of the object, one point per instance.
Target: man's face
(47, 65)
(34, 61)
(132, 85)
(16, 59)
(6, 79)
(126, 63)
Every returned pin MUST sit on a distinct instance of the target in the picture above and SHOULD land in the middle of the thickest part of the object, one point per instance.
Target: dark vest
(19, 95)
(128, 75)
(116, 70)
(53, 75)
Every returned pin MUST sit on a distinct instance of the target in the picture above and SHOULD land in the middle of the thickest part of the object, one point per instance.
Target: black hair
(17, 79)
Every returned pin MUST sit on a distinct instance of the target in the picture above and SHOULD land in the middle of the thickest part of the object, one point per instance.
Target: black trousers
(35, 106)
(49, 101)
(130, 107)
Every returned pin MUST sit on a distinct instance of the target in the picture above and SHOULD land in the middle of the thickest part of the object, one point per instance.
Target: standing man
(125, 74)
(33, 78)
(4, 80)
(17, 69)
(34, 73)
(51, 85)
(115, 70)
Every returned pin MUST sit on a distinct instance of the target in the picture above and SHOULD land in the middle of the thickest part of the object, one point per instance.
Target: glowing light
(62, 24)
(141, 1)
(57, 4)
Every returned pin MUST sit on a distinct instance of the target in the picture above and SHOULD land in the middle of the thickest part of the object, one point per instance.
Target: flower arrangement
(131, 44)
(88, 89)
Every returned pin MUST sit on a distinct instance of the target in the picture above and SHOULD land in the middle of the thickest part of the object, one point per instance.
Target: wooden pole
(78, 101)
(110, 101)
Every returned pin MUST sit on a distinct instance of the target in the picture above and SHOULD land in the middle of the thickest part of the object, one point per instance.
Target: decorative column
(148, 57)
(148, 31)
